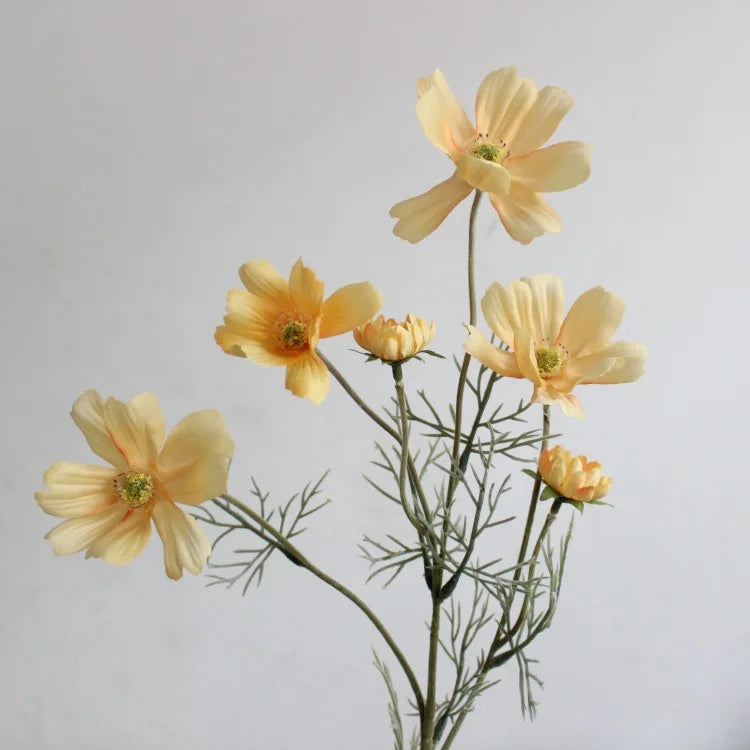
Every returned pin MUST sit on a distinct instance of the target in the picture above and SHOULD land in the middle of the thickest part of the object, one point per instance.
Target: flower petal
(76, 490)
(136, 427)
(525, 356)
(525, 214)
(88, 414)
(541, 121)
(306, 290)
(483, 175)
(263, 280)
(185, 543)
(503, 100)
(442, 117)
(348, 307)
(193, 464)
(547, 304)
(548, 170)
(308, 377)
(491, 356)
(422, 215)
(508, 309)
(76, 534)
(591, 321)
(629, 364)
(123, 542)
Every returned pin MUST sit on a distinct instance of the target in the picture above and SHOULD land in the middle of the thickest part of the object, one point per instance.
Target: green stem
(333, 583)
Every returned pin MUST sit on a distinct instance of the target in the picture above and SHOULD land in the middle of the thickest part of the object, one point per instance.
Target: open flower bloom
(392, 341)
(109, 509)
(556, 355)
(501, 156)
(278, 323)
(573, 477)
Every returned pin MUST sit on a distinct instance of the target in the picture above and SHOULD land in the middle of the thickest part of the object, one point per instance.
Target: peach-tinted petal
(185, 543)
(76, 490)
(547, 304)
(123, 542)
(570, 405)
(136, 427)
(442, 117)
(491, 356)
(507, 309)
(630, 362)
(591, 321)
(193, 464)
(525, 356)
(486, 176)
(541, 121)
(76, 534)
(88, 414)
(525, 214)
(557, 167)
(263, 280)
(306, 290)
(503, 99)
(348, 307)
(422, 215)
(308, 377)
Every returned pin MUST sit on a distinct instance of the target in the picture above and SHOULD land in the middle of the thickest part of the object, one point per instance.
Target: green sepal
(548, 493)
(578, 505)
(531, 473)
(432, 353)
(600, 502)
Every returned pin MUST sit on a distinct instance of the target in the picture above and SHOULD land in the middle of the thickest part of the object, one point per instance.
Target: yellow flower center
(135, 488)
(548, 360)
(292, 333)
(483, 148)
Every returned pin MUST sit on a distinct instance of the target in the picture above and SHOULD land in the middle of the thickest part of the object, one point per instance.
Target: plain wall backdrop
(150, 148)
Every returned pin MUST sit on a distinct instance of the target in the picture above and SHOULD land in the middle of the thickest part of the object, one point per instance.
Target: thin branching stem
(333, 583)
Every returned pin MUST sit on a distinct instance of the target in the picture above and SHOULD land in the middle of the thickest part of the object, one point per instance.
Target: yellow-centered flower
(392, 341)
(501, 156)
(109, 509)
(555, 354)
(573, 477)
(276, 322)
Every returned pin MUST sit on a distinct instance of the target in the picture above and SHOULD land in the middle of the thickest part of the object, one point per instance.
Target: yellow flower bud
(573, 477)
(391, 341)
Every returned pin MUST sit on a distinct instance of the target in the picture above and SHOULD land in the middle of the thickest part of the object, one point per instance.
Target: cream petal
(305, 289)
(442, 117)
(348, 307)
(503, 100)
(507, 309)
(547, 305)
(591, 321)
(483, 175)
(570, 405)
(422, 215)
(123, 542)
(629, 364)
(136, 427)
(193, 464)
(307, 377)
(551, 169)
(490, 356)
(77, 490)
(541, 121)
(185, 543)
(525, 214)
(263, 280)
(525, 356)
(88, 414)
(75, 534)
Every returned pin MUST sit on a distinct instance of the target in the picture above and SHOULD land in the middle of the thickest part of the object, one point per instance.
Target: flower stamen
(483, 148)
(135, 488)
(292, 333)
(549, 360)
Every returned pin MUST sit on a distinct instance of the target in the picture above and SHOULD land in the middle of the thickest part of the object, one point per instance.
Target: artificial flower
(394, 341)
(555, 354)
(573, 477)
(109, 509)
(278, 323)
(501, 156)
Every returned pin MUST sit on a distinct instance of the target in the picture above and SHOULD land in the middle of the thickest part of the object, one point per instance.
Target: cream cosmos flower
(110, 509)
(556, 355)
(278, 323)
(573, 477)
(501, 156)
(392, 341)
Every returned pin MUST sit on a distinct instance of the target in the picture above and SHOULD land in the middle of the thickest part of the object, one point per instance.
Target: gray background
(149, 148)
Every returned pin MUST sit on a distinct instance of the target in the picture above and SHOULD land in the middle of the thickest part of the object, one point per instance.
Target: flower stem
(305, 562)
